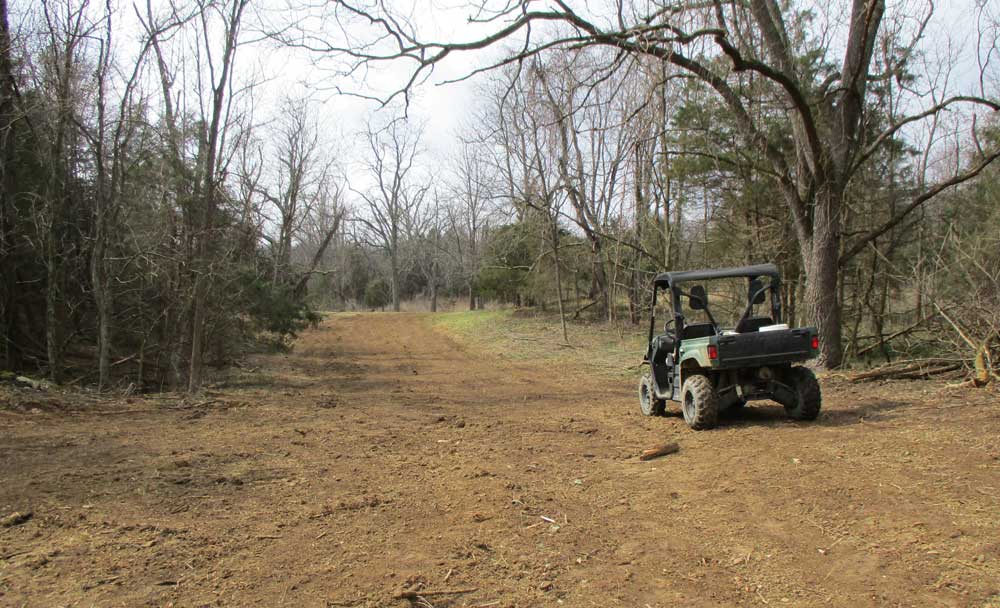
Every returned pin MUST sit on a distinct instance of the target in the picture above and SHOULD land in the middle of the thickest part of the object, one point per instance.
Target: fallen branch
(921, 368)
(663, 450)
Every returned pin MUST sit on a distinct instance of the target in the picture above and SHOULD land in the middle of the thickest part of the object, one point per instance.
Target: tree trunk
(53, 260)
(198, 302)
(821, 259)
(559, 292)
(102, 301)
(601, 288)
(434, 296)
(394, 281)
(53, 335)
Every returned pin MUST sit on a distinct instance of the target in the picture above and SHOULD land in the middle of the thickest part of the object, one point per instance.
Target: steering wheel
(668, 327)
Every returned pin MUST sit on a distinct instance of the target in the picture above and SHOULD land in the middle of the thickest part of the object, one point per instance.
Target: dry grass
(599, 348)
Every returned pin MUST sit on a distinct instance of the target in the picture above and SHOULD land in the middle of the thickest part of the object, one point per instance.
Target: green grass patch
(594, 347)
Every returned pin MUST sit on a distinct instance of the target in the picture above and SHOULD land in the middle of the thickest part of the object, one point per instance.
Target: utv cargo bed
(765, 347)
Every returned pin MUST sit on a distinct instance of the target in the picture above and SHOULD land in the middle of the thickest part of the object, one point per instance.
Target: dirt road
(382, 456)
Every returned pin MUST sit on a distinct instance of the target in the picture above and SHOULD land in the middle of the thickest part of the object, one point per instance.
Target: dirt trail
(382, 456)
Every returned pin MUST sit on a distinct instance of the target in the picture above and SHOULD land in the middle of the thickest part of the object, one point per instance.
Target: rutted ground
(382, 455)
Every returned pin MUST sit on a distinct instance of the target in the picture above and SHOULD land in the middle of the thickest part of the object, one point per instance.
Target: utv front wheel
(648, 403)
(699, 403)
(805, 389)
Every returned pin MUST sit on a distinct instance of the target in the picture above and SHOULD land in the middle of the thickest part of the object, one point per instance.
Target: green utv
(710, 366)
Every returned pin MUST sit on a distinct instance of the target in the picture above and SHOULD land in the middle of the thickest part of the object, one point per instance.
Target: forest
(164, 211)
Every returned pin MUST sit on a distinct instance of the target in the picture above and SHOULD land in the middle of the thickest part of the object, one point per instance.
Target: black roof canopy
(669, 279)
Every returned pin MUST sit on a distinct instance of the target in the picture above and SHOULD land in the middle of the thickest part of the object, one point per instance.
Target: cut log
(663, 450)
(15, 519)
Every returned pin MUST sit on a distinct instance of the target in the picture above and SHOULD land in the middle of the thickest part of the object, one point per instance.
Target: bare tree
(396, 196)
(593, 147)
(208, 172)
(426, 237)
(110, 136)
(303, 183)
(472, 192)
(68, 29)
(528, 164)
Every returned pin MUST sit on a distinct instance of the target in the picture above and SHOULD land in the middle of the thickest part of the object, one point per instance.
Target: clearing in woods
(389, 452)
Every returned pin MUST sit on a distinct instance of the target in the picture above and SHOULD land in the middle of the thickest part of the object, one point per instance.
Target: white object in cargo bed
(775, 327)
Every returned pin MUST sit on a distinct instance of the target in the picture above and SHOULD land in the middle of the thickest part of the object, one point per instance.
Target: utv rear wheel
(699, 403)
(648, 403)
(807, 400)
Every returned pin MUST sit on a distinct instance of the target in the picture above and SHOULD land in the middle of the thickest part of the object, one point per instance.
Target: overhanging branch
(930, 193)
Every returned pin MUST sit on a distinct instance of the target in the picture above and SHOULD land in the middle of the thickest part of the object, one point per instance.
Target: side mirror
(757, 294)
(697, 299)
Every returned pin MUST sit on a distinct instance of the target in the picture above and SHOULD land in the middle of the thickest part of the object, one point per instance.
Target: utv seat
(697, 330)
(663, 346)
(752, 324)
(663, 359)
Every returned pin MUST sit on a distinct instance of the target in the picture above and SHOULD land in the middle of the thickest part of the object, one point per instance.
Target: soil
(382, 462)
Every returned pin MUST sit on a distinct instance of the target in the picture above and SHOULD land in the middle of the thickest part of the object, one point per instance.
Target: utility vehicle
(710, 368)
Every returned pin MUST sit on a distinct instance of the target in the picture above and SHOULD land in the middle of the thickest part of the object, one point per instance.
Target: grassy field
(600, 348)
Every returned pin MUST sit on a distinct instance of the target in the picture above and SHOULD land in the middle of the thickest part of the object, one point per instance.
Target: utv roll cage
(672, 280)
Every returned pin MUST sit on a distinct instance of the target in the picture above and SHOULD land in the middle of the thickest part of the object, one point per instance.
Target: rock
(546, 585)
(15, 519)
